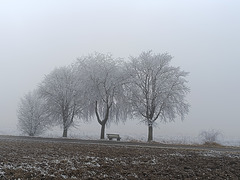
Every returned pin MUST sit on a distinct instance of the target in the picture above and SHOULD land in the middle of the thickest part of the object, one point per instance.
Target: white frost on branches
(62, 93)
(103, 80)
(157, 90)
(145, 87)
(32, 115)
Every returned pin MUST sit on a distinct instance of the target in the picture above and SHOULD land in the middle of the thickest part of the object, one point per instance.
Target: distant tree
(103, 77)
(210, 136)
(32, 115)
(62, 93)
(156, 89)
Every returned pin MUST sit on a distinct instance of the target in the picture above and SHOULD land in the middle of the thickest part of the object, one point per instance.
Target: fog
(202, 36)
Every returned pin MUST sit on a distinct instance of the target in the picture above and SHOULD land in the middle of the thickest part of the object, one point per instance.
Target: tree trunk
(65, 132)
(150, 133)
(102, 131)
(102, 122)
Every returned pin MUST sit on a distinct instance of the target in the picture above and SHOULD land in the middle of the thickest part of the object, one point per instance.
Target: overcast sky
(203, 36)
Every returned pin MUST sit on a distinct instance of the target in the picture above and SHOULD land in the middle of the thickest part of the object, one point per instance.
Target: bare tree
(32, 115)
(62, 93)
(103, 84)
(210, 136)
(157, 90)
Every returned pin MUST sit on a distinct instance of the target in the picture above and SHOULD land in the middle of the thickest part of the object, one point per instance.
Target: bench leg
(118, 139)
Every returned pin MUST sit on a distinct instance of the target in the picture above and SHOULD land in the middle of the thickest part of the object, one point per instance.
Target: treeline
(108, 89)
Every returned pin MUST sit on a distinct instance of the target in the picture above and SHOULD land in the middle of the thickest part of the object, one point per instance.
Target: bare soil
(20, 159)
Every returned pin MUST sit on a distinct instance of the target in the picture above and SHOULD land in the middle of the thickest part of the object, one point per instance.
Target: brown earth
(21, 159)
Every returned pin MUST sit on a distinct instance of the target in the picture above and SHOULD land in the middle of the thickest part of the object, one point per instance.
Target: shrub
(210, 136)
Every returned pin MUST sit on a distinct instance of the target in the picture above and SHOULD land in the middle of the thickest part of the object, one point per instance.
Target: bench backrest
(113, 135)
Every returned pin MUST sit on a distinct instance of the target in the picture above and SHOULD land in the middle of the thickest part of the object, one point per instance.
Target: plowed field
(21, 159)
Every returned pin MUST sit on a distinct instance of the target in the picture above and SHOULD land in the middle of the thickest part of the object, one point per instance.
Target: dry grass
(212, 144)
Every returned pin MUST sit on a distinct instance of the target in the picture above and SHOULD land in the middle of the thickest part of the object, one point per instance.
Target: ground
(26, 159)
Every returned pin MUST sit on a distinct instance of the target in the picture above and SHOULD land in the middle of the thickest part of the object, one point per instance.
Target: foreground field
(26, 159)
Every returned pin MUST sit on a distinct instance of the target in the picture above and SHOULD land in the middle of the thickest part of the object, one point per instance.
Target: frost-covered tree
(32, 115)
(210, 136)
(156, 89)
(103, 77)
(62, 92)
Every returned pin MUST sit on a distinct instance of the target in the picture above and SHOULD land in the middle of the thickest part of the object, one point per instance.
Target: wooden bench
(113, 136)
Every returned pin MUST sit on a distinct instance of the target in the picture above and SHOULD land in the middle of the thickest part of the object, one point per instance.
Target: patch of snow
(64, 176)
(176, 154)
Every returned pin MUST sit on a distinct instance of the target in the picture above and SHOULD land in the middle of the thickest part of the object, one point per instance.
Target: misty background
(202, 36)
